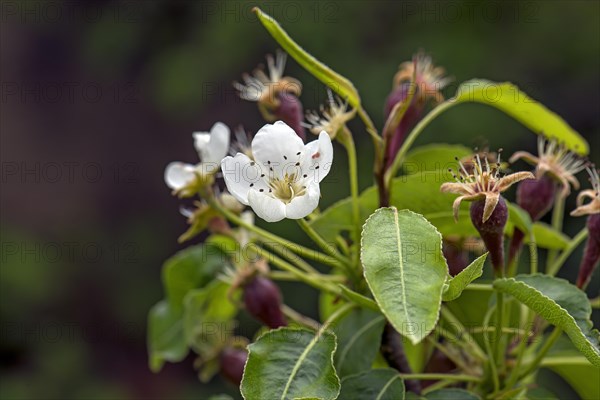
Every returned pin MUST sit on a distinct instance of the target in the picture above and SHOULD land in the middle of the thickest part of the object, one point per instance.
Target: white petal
(178, 174)
(213, 146)
(318, 158)
(301, 206)
(241, 174)
(201, 140)
(266, 207)
(277, 148)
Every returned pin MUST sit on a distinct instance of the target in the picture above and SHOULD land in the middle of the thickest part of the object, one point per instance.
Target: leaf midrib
(297, 365)
(400, 262)
(385, 387)
(355, 337)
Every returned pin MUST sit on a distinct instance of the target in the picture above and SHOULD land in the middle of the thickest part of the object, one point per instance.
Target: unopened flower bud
(291, 112)
(591, 254)
(492, 229)
(411, 117)
(536, 197)
(262, 299)
(233, 361)
(456, 257)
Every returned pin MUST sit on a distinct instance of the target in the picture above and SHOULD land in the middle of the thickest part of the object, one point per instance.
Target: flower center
(286, 188)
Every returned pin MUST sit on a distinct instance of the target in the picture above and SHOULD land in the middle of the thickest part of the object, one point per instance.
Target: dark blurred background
(98, 96)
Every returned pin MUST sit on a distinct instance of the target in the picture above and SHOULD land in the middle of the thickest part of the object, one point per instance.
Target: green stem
(370, 126)
(533, 255)
(488, 347)
(514, 375)
(299, 318)
(291, 257)
(542, 352)
(573, 244)
(339, 313)
(414, 134)
(557, 223)
(462, 331)
(452, 357)
(348, 143)
(301, 250)
(499, 350)
(481, 287)
(431, 377)
(302, 276)
(328, 248)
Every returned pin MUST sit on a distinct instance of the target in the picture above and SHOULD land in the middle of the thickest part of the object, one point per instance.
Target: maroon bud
(591, 254)
(262, 299)
(291, 112)
(536, 197)
(456, 257)
(492, 230)
(233, 361)
(410, 118)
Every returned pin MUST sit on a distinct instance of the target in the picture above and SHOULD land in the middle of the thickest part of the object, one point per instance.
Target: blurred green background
(98, 96)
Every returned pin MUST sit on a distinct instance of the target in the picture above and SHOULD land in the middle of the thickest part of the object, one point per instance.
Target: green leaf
(509, 99)
(548, 237)
(359, 336)
(359, 299)
(451, 394)
(207, 317)
(165, 336)
(335, 81)
(457, 284)
(191, 268)
(434, 157)
(376, 384)
(519, 218)
(291, 363)
(401, 253)
(561, 304)
(567, 362)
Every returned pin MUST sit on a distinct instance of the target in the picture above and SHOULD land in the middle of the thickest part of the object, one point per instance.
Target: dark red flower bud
(233, 361)
(456, 257)
(291, 112)
(536, 197)
(492, 230)
(262, 299)
(410, 118)
(591, 254)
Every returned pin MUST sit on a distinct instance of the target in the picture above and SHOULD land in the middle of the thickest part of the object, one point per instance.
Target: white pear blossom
(281, 179)
(211, 147)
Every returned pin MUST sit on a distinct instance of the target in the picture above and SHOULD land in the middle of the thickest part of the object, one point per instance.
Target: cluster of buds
(483, 186)
(555, 168)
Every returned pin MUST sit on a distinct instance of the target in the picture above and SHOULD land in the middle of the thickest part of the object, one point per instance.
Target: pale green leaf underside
(207, 316)
(165, 336)
(401, 253)
(359, 336)
(376, 384)
(509, 99)
(561, 304)
(335, 81)
(291, 364)
(457, 284)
